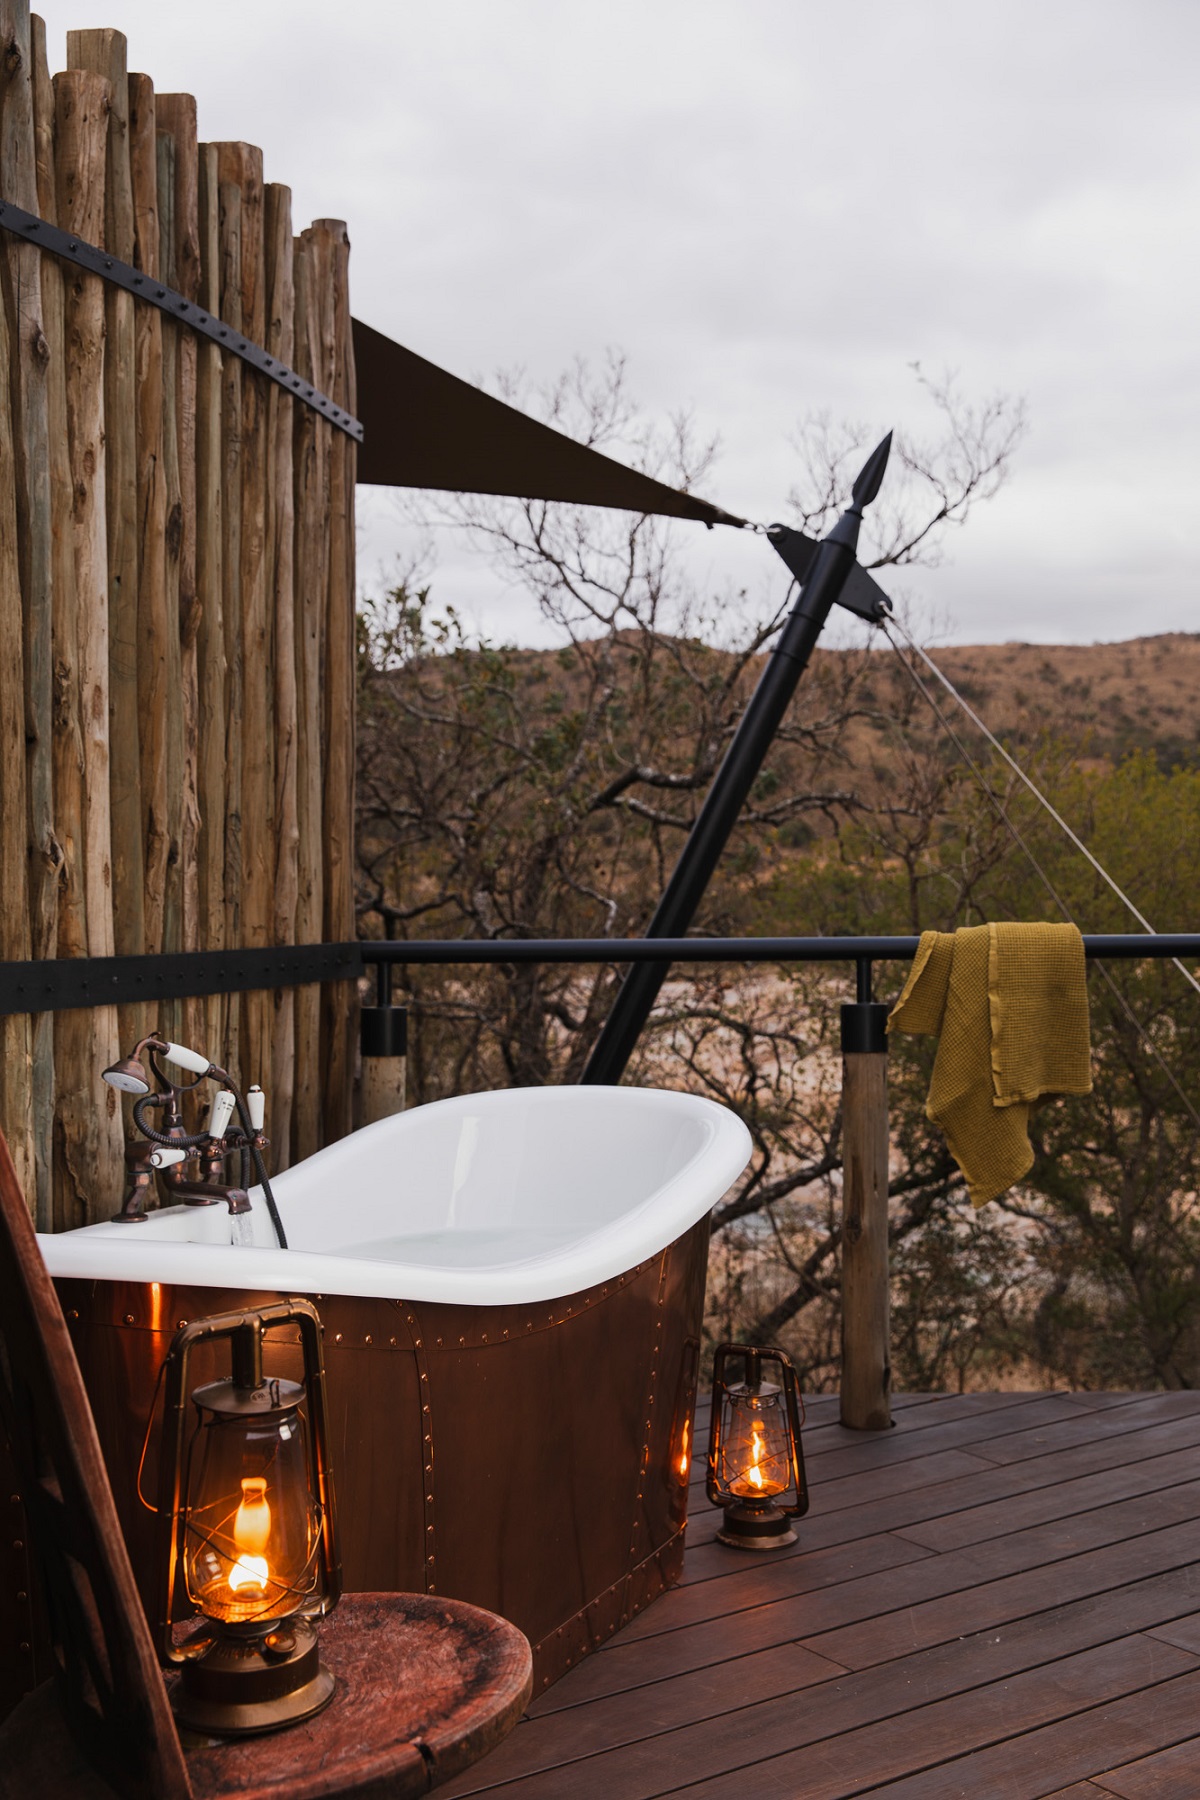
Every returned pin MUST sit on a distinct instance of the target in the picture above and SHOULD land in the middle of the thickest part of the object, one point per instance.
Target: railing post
(866, 1353)
(384, 1040)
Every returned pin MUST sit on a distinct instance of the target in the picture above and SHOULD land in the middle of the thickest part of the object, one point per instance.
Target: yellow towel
(1009, 1006)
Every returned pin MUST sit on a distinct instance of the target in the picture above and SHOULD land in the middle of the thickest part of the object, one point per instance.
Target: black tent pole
(831, 565)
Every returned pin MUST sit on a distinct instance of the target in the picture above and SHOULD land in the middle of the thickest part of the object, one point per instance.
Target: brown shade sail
(425, 428)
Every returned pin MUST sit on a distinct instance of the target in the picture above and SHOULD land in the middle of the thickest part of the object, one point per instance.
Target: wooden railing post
(383, 1034)
(866, 1353)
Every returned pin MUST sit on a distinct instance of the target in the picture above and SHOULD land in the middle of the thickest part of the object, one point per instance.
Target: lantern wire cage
(247, 1528)
(755, 1456)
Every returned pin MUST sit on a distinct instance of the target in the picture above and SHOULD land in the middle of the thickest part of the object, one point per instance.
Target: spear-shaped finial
(870, 476)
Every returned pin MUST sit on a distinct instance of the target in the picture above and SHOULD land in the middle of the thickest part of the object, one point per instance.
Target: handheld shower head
(128, 1076)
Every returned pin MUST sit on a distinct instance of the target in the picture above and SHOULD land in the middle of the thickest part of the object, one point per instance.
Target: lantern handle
(795, 1408)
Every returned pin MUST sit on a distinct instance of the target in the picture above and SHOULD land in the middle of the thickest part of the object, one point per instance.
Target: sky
(772, 208)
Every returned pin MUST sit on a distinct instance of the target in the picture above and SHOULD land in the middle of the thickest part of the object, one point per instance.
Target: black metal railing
(57, 985)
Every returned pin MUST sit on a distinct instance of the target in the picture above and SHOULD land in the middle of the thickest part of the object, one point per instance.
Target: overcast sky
(771, 206)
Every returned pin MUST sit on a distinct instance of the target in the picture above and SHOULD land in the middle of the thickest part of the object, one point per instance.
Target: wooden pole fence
(176, 606)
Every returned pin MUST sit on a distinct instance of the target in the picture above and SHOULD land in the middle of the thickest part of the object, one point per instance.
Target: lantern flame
(685, 1453)
(757, 1447)
(251, 1533)
(249, 1572)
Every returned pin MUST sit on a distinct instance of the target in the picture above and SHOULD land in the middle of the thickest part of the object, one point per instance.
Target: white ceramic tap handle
(220, 1113)
(164, 1158)
(187, 1059)
(256, 1106)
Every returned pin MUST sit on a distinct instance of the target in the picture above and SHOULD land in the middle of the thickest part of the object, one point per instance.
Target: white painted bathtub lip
(116, 1254)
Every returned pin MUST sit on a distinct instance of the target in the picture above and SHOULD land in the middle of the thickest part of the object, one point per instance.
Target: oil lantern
(755, 1461)
(246, 1512)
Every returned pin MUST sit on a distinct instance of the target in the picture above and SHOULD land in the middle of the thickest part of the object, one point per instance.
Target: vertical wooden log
(312, 558)
(29, 352)
(89, 1120)
(340, 1006)
(210, 586)
(241, 166)
(340, 702)
(172, 934)
(281, 343)
(43, 122)
(153, 695)
(230, 205)
(103, 52)
(177, 116)
(866, 1352)
(16, 1074)
(74, 1132)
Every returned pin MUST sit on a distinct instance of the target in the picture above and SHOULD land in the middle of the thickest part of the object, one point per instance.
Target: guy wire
(1001, 811)
(1015, 766)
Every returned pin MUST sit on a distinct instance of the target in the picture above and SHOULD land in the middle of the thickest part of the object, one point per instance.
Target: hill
(1109, 698)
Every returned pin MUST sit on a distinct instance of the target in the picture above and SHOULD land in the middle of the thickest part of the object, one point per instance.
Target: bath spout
(212, 1193)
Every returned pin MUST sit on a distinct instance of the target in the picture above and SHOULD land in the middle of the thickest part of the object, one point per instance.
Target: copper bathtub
(512, 1287)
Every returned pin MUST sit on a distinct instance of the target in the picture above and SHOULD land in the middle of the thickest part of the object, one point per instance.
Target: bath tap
(166, 1149)
(144, 1160)
(209, 1147)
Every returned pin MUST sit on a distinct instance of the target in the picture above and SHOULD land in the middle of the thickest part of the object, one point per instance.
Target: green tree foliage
(1090, 1274)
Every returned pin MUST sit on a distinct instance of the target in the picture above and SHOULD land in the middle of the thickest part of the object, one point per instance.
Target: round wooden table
(425, 1687)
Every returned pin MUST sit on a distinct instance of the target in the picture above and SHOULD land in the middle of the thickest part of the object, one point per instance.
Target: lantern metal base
(246, 1683)
(756, 1526)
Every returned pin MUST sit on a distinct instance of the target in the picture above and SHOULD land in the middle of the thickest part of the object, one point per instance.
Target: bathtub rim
(108, 1252)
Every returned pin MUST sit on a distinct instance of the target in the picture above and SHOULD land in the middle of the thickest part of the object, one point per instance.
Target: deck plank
(1080, 1790)
(1074, 1748)
(952, 1482)
(1167, 1775)
(1065, 1499)
(1157, 1605)
(832, 1767)
(856, 1452)
(743, 1588)
(850, 1594)
(847, 1702)
(1185, 1632)
(1096, 1422)
(921, 1624)
(998, 1598)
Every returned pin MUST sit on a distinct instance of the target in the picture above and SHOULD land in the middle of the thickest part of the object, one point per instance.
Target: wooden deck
(998, 1598)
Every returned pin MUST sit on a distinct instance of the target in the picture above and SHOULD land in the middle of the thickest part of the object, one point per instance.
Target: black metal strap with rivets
(33, 230)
